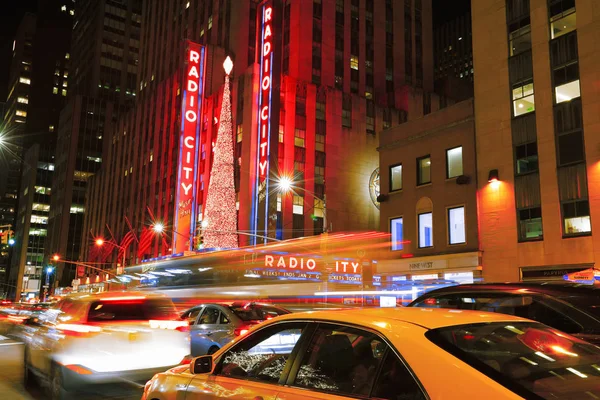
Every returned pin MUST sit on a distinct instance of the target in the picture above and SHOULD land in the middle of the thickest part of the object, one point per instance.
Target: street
(11, 379)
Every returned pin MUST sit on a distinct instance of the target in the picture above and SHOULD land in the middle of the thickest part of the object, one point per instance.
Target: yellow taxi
(395, 354)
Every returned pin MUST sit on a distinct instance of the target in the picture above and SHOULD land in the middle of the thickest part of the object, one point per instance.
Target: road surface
(11, 379)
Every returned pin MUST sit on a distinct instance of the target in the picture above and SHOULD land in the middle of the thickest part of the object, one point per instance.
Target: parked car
(569, 307)
(214, 325)
(109, 337)
(403, 353)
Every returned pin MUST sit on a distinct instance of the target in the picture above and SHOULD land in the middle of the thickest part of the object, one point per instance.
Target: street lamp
(284, 184)
(49, 270)
(158, 228)
(100, 242)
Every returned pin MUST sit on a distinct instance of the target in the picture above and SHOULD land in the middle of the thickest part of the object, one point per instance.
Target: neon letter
(268, 261)
(195, 56)
(268, 12)
(266, 82)
(188, 145)
(293, 262)
(263, 166)
(190, 116)
(263, 113)
(193, 72)
(311, 264)
(281, 262)
(267, 31)
(266, 48)
(186, 188)
(192, 86)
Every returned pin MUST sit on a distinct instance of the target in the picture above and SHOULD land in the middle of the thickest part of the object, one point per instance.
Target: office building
(428, 198)
(536, 115)
(104, 60)
(332, 90)
(37, 91)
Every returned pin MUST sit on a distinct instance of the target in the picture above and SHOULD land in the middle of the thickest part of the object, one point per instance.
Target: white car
(102, 338)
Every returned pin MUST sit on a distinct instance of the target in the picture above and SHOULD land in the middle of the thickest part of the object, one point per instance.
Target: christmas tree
(220, 215)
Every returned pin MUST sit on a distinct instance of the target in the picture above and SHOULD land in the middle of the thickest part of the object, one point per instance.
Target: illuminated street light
(49, 270)
(284, 184)
(99, 242)
(56, 257)
(228, 65)
(11, 242)
(158, 228)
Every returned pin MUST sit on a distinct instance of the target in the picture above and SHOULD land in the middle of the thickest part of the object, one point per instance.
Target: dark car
(214, 325)
(569, 307)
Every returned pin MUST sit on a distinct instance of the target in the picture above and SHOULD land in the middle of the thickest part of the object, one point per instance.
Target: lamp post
(285, 184)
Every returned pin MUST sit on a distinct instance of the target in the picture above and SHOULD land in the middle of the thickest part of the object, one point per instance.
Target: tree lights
(220, 217)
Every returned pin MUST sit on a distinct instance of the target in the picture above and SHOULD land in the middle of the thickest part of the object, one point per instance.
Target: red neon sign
(187, 170)
(266, 75)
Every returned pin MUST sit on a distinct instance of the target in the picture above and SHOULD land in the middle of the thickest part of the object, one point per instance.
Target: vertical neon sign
(264, 117)
(189, 139)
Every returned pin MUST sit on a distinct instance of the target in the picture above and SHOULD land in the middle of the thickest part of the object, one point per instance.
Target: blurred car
(402, 353)
(13, 316)
(569, 307)
(214, 325)
(102, 338)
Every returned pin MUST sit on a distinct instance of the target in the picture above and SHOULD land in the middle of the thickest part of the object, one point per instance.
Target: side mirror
(201, 365)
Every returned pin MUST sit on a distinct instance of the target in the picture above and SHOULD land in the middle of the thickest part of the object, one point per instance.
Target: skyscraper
(331, 91)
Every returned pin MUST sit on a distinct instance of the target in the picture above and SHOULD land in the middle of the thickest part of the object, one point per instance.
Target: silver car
(214, 325)
(104, 338)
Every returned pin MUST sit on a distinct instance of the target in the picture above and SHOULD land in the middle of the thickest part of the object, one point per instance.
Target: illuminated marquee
(266, 76)
(310, 264)
(187, 170)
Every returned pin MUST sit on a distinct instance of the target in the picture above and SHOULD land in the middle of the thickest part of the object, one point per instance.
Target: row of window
(454, 168)
(455, 219)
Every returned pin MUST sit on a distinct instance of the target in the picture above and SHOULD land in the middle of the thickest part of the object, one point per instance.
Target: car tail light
(78, 329)
(186, 360)
(79, 369)
(182, 326)
(241, 331)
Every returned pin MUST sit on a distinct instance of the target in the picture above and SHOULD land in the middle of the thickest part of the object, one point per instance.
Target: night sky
(13, 10)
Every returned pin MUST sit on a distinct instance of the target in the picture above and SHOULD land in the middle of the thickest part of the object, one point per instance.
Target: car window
(261, 356)
(210, 316)
(527, 357)
(192, 314)
(395, 382)
(223, 319)
(342, 360)
(134, 309)
(257, 312)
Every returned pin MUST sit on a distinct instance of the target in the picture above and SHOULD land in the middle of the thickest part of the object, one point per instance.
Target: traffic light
(4, 238)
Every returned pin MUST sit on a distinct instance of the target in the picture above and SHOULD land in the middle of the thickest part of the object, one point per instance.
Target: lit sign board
(189, 139)
(310, 264)
(266, 76)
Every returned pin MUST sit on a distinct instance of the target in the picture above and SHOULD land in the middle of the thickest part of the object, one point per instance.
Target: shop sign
(532, 273)
(427, 265)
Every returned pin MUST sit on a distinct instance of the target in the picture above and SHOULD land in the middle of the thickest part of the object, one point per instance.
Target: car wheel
(57, 390)
(28, 377)
(212, 350)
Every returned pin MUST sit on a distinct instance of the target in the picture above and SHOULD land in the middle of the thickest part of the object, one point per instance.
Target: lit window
(63, 8)
(454, 162)
(55, 90)
(576, 216)
(21, 113)
(151, 154)
(187, 5)
(319, 208)
(26, 81)
(239, 133)
(354, 62)
(40, 207)
(523, 101)
(567, 92)
(396, 177)
(298, 205)
(210, 22)
(425, 230)
(94, 159)
(423, 170)
(526, 156)
(72, 12)
(279, 202)
(23, 100)
(64, 83)
(396, 226)
(39, 219)
(38, 232)
(75, 209)
(563, 23)
(520, 40)
(64, 92)
(530, 223)
(20, 121)
(456, 225)
(320, 142)
(67, 56)
(299, 137)
(51, 128)
(281, 131)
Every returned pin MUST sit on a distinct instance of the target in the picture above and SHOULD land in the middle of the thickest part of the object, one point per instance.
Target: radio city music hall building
(313, 83)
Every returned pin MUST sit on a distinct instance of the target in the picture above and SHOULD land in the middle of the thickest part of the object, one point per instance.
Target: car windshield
(257, 312)
(589, 303)
(132, 310)
(531, 359)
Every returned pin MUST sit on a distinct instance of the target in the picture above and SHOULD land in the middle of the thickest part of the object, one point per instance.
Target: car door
(346, 362)
(254, 368)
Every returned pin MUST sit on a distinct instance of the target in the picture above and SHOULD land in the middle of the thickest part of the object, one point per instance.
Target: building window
(51, 128)
(397, 233)
(526, 157)
(423, 170)
(523, 101)
(570, 148)
(319, 142)
(456, 225)
(354, 62)
(239, 133)
(26, 81)
(576, 217)
(567, 92)
(54, 90)
(299, 137)
(562, 23)
(281, 133)
(520, 40)
(425, 230)
(530, 223)
(298, 206)
(23, 100)
(396, 177)
(21, 113)
(64, 92)
(454, 162)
